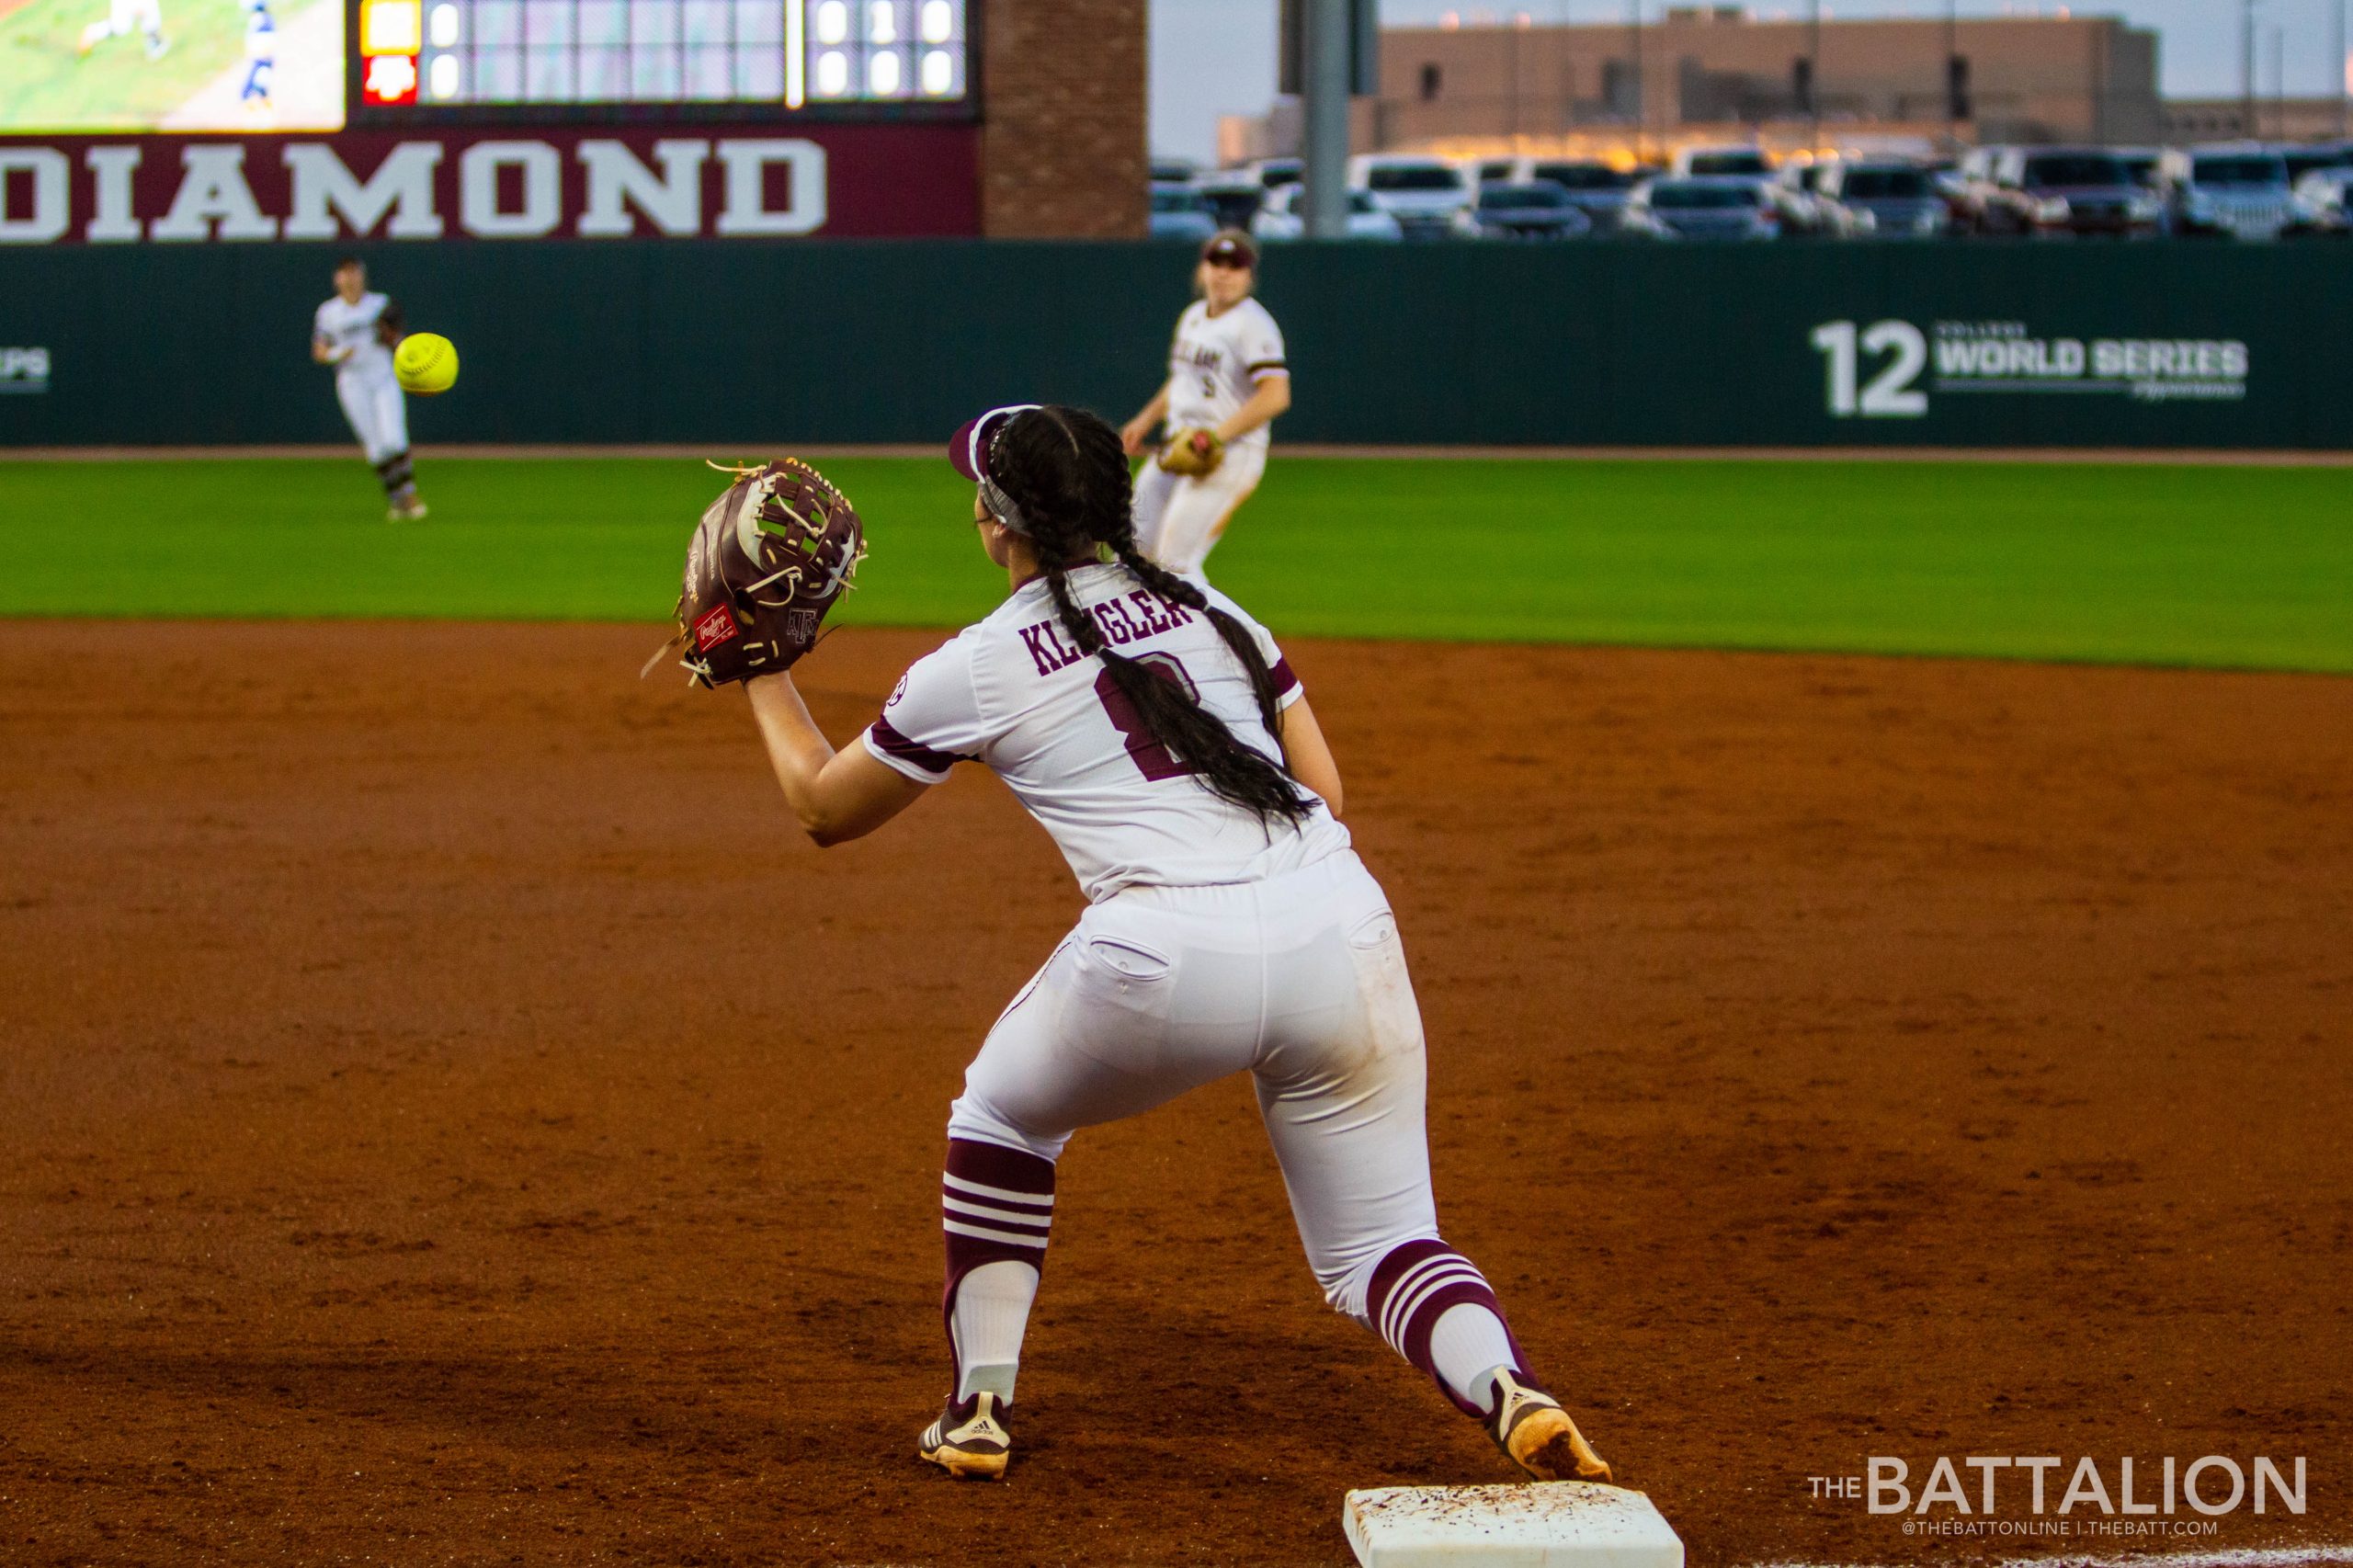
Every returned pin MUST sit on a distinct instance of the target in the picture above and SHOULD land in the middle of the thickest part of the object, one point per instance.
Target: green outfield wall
(754, 345)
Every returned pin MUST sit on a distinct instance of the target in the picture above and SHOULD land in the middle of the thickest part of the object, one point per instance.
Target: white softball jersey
(364, 383)
(1013, 694)
(1216, 362)
(350, 330)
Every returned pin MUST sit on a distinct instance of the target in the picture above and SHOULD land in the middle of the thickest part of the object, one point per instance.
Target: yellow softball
(425, 363)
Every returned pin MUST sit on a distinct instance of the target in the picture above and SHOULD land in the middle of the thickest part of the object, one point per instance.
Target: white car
(1422, 193)
(1278, 219)
(2329, 194)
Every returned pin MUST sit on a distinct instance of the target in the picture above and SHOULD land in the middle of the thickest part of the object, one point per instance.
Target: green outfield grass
(2206, 566)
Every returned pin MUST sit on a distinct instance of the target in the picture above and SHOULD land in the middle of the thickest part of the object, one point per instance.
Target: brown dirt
(445, 1117)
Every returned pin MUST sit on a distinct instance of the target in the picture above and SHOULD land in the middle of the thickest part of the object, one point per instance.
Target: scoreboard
(423, 56)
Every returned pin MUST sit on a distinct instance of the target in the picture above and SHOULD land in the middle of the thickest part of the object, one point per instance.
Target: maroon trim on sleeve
(1264, 365)
(906, 750)
(1285, 682)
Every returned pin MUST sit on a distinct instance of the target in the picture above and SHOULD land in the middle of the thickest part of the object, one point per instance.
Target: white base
(1556, 1524)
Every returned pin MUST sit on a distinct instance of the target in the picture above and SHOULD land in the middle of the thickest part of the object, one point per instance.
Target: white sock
(991, 1310)
(1467, 1345)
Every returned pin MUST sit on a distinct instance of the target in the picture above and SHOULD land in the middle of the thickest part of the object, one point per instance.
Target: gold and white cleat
(1537, 1435)
(971, 1440)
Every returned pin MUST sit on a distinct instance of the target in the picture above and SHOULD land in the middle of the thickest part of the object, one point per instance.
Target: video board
(791, 54)
(310, 66)
(172, 65)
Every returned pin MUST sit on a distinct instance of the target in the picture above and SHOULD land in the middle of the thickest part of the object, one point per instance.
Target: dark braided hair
(1065, 472)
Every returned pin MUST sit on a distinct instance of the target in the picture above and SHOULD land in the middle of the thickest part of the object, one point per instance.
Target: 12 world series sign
(1890, 370)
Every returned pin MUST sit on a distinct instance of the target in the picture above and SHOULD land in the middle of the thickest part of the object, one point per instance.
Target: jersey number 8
(1151, 759)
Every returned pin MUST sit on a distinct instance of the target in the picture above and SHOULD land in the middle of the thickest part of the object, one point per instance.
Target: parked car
(1280, 218)
(2328, 193)
(2306, 157)
(1702, 162)
(1234, 195)
(2238, 192)
(1422, 193)
(1272, 172)
(1180, 213)
(1174, 171)
(2067, 191)
(1530, 210)
(1805, 209)
(1708, 207)
(1901, 199)
(1970, 188)
(1595, 189)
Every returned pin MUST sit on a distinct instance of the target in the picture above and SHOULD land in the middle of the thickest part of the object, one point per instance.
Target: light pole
(1641, 109)
(2345, 76)
(1324, 75)
(1814, 78)
(1952, 71)
(2247, 69)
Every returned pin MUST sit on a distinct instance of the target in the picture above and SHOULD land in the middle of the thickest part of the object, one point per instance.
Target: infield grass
(2246, 567)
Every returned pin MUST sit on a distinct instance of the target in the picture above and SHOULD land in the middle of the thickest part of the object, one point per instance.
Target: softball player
(1157, 733)
(356, 332)
(122, 16)
(1226, 375)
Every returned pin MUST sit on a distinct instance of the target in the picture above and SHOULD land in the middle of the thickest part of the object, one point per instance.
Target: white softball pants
(1300, 980)
(1179, 518)
(377, 412)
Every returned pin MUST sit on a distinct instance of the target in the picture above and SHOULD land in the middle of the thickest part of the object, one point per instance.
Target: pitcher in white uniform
(356, 332)
(1226, 374)
(1157, 733)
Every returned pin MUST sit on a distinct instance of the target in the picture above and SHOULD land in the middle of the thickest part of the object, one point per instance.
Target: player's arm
(1310, 758)
(1137, 431)
(323, 350)
(838, 796)
(1270, 397)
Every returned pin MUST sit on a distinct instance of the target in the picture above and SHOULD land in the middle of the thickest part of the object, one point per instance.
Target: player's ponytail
(1065, 469)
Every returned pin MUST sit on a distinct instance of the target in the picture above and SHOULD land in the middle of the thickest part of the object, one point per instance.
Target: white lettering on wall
(111, 168)
(672, 202)
(52, 189)
(324, 188)
(478, 210)
(746, 211)
(213, 200)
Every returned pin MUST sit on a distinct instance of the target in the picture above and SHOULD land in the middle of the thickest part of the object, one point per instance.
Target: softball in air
(425, 363)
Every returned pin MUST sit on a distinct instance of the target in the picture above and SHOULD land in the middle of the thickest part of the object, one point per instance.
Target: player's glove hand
(766, 563)
(1194, 452)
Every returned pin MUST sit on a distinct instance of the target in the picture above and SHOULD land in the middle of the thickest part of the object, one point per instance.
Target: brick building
(1063, 135)
(1708, 73)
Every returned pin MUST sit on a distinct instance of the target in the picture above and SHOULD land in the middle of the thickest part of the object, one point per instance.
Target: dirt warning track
(447, 1117)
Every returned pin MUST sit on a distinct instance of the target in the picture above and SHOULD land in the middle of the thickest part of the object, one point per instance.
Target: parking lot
(2232, 192)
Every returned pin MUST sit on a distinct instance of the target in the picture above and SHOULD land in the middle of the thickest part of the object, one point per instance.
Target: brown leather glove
(766, 563)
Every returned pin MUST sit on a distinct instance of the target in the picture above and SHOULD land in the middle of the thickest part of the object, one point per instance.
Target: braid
(1066, 469)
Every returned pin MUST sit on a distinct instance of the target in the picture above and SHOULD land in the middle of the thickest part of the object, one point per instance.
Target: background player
(1226, 376)
(1157, 733)
(122, 16)
(356, 332)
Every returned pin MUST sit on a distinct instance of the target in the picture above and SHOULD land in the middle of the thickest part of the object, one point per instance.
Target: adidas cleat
(970, 1438)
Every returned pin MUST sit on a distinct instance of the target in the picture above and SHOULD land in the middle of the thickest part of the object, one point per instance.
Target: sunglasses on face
(1228, 263)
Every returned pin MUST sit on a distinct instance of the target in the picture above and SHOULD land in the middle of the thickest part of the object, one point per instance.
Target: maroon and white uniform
(1215, 363)
(1213, 944)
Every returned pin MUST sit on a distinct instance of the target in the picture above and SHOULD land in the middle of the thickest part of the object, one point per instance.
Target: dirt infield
(446, 1118)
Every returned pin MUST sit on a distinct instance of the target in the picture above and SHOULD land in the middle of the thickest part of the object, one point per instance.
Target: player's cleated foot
(158, 46)
(1537, 1435)
(407, 512)
(971, 1439)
